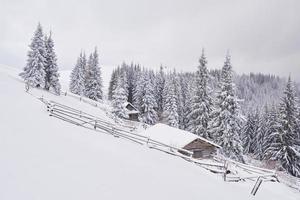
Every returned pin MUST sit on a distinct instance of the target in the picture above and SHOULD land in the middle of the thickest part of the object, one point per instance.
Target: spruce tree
(138, 90)
(188, 90)
(148, 102)
(77, 82)
(284, 147)
(225, 125)
(113, 83)
(135, 82)
(272, 127)
(51, 69)
(179, 98)
(131, 80)
(248, 135)
(34, 71)
(202, 102)
(170, 109)
(93, 82)
(119, 99)
(160, 80)
(260, 129)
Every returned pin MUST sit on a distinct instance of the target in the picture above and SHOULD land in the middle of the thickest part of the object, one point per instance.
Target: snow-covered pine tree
(138, 90)
(77, 82)
(119, 99)
(148, 102)
(179, 100)
(124, 74)
(90, 80)
(202, 102)
(297, 105)
(298, 119)
(225, 125)
(34, 71)
(160, 83)
(248, 135)
(135, 79)
(131, 80)
(253, 134)
(113, 82)
(272, 127)
(285, 142)
(260, 130)
(124, 70)
(170, 109)
(188, 93)
(93, 82)
(51, 69)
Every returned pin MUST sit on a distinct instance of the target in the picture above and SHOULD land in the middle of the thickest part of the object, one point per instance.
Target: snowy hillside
(42, 157)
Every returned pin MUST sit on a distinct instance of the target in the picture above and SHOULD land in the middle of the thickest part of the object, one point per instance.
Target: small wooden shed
(201, 147)
(132, 112)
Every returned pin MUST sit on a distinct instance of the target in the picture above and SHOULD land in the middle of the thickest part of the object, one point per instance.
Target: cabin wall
(134, 117)
(201, 149)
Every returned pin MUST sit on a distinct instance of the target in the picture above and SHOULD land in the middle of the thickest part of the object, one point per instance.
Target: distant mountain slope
(255, 90)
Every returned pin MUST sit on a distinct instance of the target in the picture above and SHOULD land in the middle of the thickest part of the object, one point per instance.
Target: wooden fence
(86, 120)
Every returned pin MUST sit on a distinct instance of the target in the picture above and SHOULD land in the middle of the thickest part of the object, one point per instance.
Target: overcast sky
(262, 35)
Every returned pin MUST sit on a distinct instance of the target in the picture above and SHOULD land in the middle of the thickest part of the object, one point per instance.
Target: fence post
(95, 126)
(225, 170)
(256, 186)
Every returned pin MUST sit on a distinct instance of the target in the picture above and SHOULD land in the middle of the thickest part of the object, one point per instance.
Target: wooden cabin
(200, 147)
(132, 112)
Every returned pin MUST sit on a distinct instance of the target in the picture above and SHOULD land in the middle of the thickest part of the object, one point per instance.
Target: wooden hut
(201, 147)
(132, 112)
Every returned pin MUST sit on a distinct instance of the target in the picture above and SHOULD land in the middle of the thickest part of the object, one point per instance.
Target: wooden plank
(256, 186)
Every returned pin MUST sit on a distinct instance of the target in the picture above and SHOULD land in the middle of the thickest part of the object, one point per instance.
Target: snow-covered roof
(135, 111)
(132, 112)
(173, 136)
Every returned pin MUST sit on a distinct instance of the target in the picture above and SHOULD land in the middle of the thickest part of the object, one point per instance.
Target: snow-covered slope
(45, 158)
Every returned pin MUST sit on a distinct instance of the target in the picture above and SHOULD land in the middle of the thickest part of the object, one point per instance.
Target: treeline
(213, 104)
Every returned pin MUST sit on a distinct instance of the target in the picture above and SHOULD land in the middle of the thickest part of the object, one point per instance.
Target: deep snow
(45, 158)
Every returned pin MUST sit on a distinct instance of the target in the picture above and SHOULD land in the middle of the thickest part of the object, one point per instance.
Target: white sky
(262, 35)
